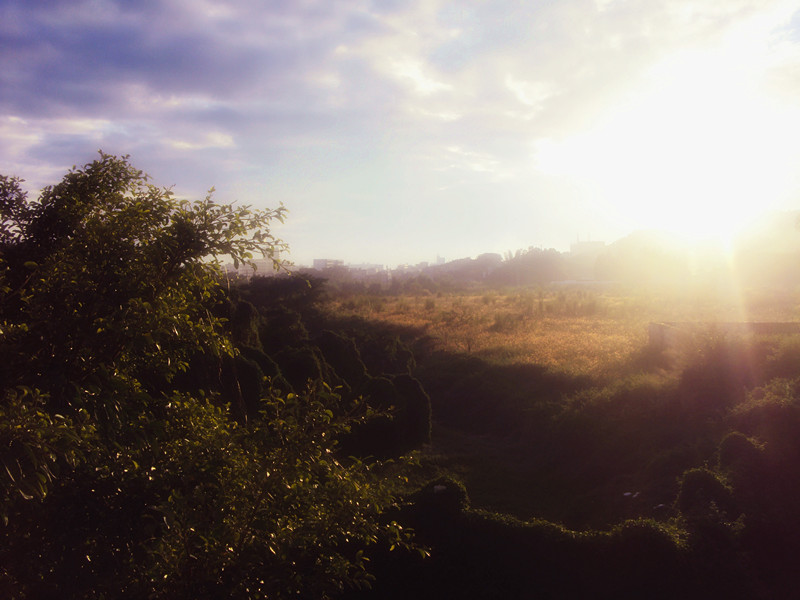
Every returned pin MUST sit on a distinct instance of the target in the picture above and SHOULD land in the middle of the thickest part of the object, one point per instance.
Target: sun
(697, 147)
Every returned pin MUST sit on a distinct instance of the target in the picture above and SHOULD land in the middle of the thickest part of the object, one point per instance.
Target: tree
(106, 276)
(114, 482)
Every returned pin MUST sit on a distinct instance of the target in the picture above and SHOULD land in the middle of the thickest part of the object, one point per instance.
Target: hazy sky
(395, 131)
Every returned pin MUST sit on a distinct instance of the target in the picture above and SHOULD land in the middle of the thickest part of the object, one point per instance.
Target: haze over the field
(396, 131)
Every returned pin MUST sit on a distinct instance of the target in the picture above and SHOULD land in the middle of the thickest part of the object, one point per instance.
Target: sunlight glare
(697, 149)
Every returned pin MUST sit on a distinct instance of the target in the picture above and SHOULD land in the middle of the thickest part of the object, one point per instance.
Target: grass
(550, 403)
(576, 332)
(574, 438)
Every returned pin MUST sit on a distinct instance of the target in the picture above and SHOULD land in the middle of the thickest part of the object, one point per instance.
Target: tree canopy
(118, 482)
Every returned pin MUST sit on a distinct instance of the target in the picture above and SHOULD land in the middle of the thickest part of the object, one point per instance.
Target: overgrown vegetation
(150, 448)
(166, 432)
(562, 418)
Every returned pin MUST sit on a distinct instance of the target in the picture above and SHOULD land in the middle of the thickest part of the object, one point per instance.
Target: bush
(415, 416)
(244, 324)
(739, 453)
(716, 377)
(343, 356)
(441, 497)
(704, 495)
(299, 365)
(784, 361)
(281, 327)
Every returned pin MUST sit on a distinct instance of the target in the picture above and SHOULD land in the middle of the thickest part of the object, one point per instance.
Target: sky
(395, 132)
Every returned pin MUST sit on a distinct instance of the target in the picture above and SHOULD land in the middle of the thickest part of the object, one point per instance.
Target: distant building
(368, 267)
(320, 264)
(369, 273)
(260, 267)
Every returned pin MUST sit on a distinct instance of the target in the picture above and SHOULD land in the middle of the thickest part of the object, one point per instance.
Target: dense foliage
(167, 432)
(651, 472)
(122, 476)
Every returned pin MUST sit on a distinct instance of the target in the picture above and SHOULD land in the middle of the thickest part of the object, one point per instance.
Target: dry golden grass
(573, 331)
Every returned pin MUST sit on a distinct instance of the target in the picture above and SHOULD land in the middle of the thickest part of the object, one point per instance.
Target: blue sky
(395, 131)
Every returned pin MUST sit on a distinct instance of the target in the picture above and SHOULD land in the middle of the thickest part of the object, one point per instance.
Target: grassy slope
(558, 411)
(551, 404)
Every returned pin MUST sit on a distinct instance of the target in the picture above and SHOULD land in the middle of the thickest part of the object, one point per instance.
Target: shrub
(772, 414)
(299, 365)
(442, 496)
(244, 324)
(716, 377)
(343, 356)
(784, 361)
(704, 495)
(281, 327)
(739, 453)
(415, 416)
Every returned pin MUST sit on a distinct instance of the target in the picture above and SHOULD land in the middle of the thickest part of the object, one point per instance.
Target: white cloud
(214, 139)
(420, 77)
(529, 93)
(317, 103)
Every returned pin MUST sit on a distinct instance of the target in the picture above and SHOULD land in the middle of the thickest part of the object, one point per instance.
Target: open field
(550, 406)
(600, 334)
(574, 366)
